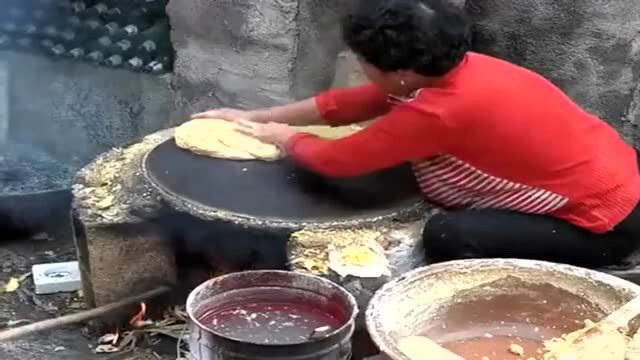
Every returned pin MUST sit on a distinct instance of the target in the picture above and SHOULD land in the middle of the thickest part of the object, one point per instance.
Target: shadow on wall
(591, 51)
(348, 71)
(75, 111)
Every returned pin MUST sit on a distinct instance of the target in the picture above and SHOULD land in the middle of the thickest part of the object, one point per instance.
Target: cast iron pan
(276, 191)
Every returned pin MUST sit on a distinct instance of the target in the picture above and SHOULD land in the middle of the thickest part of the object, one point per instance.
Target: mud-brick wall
(590, 48)
(251, 53)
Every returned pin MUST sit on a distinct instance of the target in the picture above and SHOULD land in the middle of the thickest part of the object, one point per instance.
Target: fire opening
(137, 320)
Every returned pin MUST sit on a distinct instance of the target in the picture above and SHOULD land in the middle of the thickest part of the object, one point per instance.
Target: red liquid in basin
(255, 316)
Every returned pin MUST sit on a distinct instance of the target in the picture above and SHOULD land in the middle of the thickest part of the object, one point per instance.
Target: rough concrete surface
(121, 261)
(249, 54)
(75, 111)
(590, 48)
(348, 71)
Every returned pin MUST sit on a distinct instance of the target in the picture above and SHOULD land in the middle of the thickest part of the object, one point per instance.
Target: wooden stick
(625, 313)
(423, 348)
(606, 339)
(50, 324)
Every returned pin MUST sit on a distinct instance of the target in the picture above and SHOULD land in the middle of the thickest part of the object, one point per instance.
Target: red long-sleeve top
(489, 134)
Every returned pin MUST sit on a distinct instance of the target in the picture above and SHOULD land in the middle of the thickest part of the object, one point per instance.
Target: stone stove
(131, 235)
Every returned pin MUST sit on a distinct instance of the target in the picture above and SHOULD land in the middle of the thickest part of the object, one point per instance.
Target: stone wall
(590, 48)
(247, 53)
(229, 53)
(348, 71)
(257, 53)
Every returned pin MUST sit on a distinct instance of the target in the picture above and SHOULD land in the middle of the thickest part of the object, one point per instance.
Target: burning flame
(138, 319)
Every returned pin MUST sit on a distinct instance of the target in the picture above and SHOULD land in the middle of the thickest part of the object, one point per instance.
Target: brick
(118, 261)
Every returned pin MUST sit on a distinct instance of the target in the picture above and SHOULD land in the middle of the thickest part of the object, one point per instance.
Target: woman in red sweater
(523, 171)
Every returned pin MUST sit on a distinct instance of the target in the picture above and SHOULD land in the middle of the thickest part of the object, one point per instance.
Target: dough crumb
(516, 349)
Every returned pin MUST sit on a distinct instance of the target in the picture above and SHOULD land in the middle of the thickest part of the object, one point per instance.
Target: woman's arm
(335, 107)
(352, 105)
(406, 134)
(412, 131)
(299, 113)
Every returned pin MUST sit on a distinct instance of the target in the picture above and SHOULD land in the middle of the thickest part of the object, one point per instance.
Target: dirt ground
(65, 344)
(71, 343)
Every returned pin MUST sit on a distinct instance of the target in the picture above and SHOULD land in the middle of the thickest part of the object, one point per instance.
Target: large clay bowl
(465, 299)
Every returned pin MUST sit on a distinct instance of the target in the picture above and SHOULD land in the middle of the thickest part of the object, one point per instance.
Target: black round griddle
(276, 191)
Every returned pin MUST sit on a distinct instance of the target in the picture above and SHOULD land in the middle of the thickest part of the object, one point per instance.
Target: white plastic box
(56, 277)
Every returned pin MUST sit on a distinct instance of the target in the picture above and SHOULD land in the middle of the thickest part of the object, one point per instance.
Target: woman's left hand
(273, 133)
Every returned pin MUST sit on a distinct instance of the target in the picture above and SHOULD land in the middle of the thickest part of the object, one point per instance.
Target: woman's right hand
(233, 115)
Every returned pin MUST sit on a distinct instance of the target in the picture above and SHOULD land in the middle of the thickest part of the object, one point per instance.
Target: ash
(25, 168)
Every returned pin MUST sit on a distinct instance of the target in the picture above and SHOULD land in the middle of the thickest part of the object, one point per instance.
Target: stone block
(250, 54)
(590, 48)
(118, 261)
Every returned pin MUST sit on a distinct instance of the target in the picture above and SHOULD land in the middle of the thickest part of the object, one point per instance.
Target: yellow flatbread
(219, 139)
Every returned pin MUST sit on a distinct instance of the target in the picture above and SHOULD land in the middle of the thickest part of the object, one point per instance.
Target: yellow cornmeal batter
(219, 138)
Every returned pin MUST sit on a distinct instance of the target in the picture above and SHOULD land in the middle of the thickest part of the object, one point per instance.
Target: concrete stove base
(119, 261)
(122, 252)
(119, 253)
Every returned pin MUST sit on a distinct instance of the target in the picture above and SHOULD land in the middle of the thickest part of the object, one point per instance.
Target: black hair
(429, 37)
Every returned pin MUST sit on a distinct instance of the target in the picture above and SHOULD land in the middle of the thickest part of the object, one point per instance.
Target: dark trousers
(466, 234)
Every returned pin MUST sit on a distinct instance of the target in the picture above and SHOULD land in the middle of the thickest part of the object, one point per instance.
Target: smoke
(222, 245)
(59, 109)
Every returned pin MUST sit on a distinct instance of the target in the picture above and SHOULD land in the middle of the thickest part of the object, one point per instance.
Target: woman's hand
(300, 113)
(232, 115)
(273, 133)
